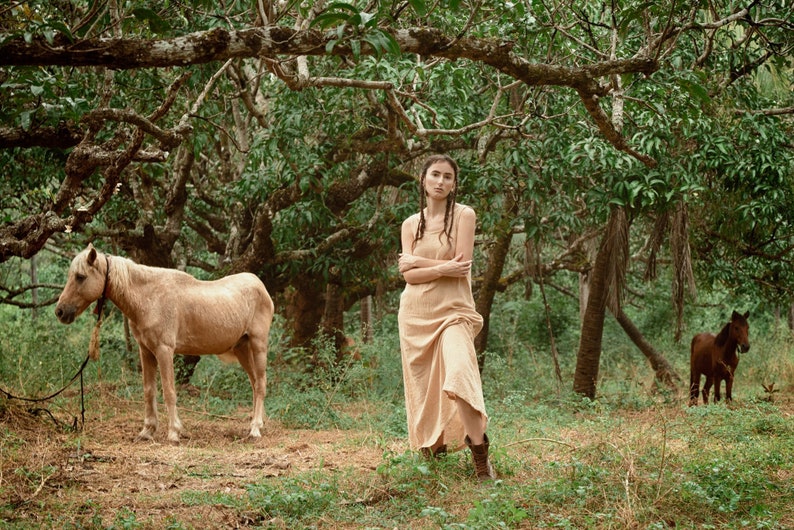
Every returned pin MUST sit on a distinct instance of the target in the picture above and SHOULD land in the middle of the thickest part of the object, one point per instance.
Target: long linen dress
(438, 323)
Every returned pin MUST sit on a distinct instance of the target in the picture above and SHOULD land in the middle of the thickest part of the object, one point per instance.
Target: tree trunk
(589, 354)
(607, 279)
(665, 373)
(333, 322)
(304, 307)
(497, 254)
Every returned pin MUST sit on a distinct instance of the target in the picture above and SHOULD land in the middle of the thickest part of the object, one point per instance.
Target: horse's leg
(165, 359)
(717, 385)
(244, 356)
(149, 372)
(707, 388)
(694, 387)
(728, 388)
(253, 358)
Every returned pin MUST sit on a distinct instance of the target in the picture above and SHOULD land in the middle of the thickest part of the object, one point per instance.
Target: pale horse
(170, 311)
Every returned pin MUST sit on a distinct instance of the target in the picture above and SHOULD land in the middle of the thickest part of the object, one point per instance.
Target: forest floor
(47, 475)
(100, 477)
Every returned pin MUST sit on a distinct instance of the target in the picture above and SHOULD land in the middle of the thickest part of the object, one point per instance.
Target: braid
(420, 227)
(449, 216)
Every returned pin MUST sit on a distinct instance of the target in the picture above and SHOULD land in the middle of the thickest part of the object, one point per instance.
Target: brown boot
(482, 465)
(430, 453)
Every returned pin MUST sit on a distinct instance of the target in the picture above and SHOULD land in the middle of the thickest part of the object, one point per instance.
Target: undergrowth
(635, 457)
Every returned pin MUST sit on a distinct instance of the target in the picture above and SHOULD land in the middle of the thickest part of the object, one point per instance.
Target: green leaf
(24, 120)
(344, 6)
(327, 20)
(695, 90)
(419, 6)
(388, 41)
(375, 42)
(156, 23)
(62, 28)
(367, 19)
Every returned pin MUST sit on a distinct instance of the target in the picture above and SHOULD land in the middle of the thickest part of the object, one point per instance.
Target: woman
(438, 322)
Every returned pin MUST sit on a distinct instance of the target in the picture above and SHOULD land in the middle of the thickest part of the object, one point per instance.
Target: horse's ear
(746, 315)
(91, 258)
(735, 315)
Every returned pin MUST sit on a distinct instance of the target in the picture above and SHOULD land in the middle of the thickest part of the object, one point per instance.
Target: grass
(336, 456)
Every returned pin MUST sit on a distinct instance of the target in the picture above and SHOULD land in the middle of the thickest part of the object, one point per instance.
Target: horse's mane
(723, 335)
(119, 274)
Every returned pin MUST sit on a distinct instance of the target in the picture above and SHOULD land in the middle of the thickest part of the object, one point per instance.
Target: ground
(43, 467)
(100, 477)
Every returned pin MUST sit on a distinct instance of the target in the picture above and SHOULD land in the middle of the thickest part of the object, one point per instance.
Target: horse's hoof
(144, 436)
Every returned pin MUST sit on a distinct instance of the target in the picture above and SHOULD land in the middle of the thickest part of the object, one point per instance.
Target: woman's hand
(406, 262)
(457, 267)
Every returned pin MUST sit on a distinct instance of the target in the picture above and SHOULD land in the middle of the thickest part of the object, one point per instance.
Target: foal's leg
(149, 371)
(165, 359)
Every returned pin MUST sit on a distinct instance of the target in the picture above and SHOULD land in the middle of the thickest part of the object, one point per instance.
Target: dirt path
(46, 475)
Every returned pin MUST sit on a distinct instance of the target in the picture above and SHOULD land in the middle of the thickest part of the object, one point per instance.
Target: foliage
(299, 166)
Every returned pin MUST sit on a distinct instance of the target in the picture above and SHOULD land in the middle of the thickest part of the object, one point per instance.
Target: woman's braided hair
(448, 217)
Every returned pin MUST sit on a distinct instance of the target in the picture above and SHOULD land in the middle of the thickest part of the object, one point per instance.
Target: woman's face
(439, 180)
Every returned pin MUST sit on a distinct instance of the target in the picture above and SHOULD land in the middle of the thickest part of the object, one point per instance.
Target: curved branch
(272, 42)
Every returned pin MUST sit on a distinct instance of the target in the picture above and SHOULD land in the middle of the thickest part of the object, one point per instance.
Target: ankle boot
(430, 453)
(482, 465)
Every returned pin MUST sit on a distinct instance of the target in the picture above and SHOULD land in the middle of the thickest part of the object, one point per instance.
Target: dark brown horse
(715, 357)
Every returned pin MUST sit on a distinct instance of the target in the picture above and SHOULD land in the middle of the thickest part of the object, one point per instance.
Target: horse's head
(740, 331)
(86, 282)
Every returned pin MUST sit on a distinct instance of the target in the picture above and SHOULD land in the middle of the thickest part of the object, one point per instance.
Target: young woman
(438, 322)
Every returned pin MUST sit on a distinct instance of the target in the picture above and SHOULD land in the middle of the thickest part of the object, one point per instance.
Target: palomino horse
(170, 312)
(714, 356)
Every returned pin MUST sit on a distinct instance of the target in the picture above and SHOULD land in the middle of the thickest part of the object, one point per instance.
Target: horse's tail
(694, 374)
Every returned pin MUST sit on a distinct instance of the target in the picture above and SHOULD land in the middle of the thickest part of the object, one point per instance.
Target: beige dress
(438, 323)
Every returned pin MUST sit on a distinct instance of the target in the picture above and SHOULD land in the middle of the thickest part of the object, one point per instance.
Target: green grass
(635, 457)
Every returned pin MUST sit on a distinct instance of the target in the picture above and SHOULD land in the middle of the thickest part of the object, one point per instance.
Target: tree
(281, 140)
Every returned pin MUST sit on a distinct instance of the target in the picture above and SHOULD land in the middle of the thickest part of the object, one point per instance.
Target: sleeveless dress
(438, 323)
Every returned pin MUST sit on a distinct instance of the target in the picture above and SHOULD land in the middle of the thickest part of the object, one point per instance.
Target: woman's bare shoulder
(411, 221)
(464, 211)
